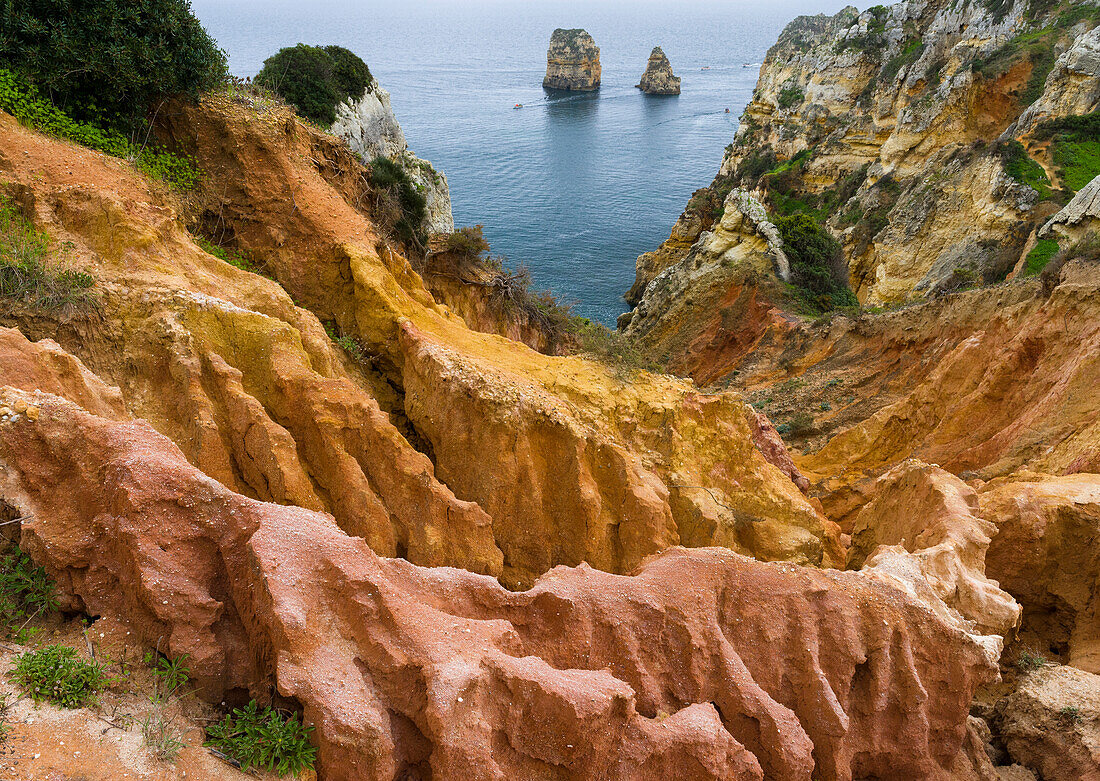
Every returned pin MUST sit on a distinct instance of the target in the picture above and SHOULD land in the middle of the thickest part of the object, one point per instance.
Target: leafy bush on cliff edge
(109, 60)
(315, 79)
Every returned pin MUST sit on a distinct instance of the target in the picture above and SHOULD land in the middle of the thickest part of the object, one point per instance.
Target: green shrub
(400, 204)
(816, 262)
(467, 242)
(790, 96)
(54, 674)
(22, 100)
(1040, 255)
(24, 275)
(109, 60)
(315, 79)
(1019, 166)
(25, 592)
(265, 739)
(755, 164)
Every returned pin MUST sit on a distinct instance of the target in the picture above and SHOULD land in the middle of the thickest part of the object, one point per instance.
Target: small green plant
(54, 674)
(1070, 713)
(234, 257)
(161, 735)
(25, 593)
(266, 739)
(24, 275)
(169, 675)
(825, 406)
(1029, 662)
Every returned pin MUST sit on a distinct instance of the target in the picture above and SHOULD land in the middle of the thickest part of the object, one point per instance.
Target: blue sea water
(574, 185)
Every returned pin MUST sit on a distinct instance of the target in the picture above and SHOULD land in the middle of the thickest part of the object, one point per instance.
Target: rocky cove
(827, 508)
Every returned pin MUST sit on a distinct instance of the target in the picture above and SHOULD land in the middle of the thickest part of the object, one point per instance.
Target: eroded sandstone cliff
(461, 558)
(915, 133)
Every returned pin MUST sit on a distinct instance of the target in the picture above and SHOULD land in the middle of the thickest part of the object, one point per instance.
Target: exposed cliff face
(371, 130)
(658, 78)
(897, 127)
(572, 61)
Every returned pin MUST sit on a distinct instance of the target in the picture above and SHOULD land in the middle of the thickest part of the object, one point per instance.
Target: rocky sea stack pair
(573, 63)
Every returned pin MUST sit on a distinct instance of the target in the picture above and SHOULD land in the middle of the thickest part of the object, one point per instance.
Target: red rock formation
(704, 664)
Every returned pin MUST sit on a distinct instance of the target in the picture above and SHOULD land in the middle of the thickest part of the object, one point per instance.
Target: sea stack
(658, 78)
(572, 61)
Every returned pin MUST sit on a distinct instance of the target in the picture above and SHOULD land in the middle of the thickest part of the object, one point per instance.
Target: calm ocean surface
(574, 185)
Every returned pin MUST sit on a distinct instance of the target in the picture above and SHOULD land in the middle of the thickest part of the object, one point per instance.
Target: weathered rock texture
(684, 309)
(924, 515)
(1046, 553)
(371, 130)
(1051, 724)
(1078, 217)
(966, 408)
(572, 61)
(702, 665)
(658, 78)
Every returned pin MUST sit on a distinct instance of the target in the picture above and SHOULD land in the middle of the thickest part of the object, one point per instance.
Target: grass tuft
(24, 275)
(25, 592)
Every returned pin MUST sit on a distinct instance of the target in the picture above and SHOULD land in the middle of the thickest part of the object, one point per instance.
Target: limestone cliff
(572, 61)
(899, 129)
(371, 130)
(658, 78)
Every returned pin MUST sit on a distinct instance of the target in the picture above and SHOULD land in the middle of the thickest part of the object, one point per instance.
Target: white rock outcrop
(371, 129)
